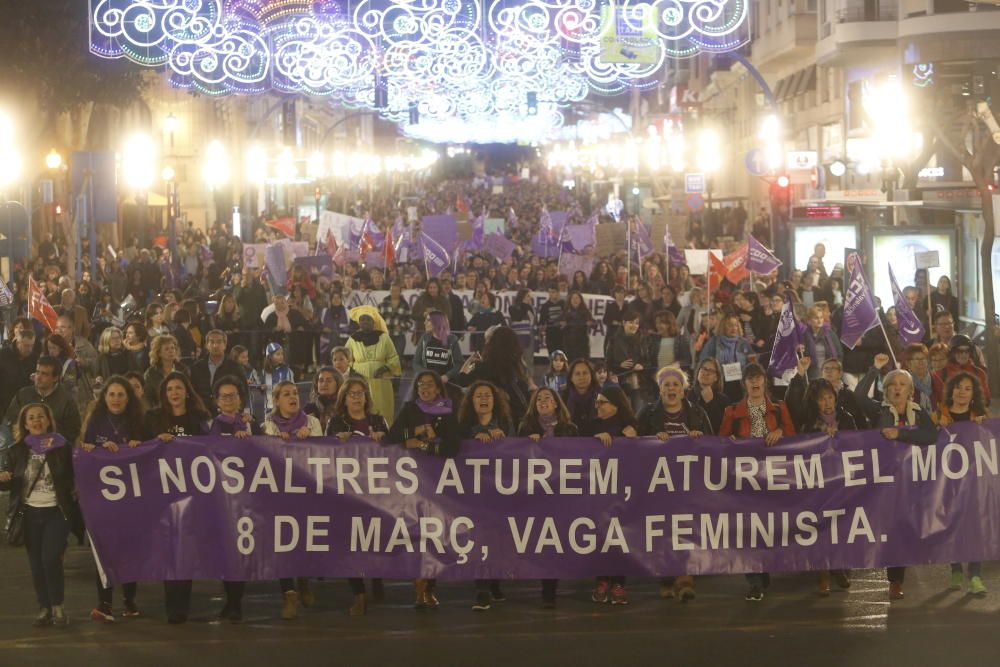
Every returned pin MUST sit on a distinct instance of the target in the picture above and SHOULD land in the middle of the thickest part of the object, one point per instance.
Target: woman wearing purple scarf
(428, 424)
(287, 421)
(114, 421)
(39, 475)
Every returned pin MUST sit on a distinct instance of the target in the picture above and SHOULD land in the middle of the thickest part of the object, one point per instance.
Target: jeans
(234, 593)
(45, 533)
(895, 575)
(105, 595)
(758, 579)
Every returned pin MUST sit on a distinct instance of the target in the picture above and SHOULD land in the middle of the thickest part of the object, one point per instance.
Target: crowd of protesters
(153, 346)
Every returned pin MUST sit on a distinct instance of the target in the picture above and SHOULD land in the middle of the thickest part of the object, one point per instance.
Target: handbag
(14, 526)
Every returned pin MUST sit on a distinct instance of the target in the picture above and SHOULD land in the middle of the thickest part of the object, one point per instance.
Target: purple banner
(859, 306)
(261, 508)
(499, 246)
(436, 258)
(442, 228)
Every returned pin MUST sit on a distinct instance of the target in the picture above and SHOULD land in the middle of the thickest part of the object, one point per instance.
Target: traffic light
(783, 182)
(532, 103)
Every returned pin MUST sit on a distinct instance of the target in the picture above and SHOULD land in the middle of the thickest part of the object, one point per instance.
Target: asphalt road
(792, 626)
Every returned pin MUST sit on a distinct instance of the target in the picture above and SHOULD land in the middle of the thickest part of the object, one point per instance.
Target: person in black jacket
(39, 475)
(707, 392)
(614, 420)
(502, 363)
(673, 415)
(550, 316)
(352, 418)
(484, 416)
(614, 312)
(428, 424)
(832, 374)
(626, 356)
(580, 393)
(211, 367)
(822, 412)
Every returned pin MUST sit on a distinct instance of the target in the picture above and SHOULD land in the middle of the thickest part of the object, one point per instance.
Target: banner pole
(888, 344)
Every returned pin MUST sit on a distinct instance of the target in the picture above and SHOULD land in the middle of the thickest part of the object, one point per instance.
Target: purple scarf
(45, 443)
(439, 406)
(548, 424)
(290, 425)
(236, 421)
(828, 419)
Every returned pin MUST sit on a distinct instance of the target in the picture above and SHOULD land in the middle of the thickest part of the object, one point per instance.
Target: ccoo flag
(911, 329)
(859, 306)
(436, 258)
(39, 307)
(760, 259)
(6, 296)
(786, 340)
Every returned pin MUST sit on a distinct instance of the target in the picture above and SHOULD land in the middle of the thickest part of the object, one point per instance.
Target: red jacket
(737, 419)
(939, 379)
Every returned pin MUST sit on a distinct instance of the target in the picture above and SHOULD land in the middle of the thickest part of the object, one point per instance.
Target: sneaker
(290, 609)
(482, 602)
(895, 591)
(755, 594)
(102, 614)
(59, 615)
(618, 595)
(957, 581)
(44, 618)
(131, 609)
(496, 593)
(823, 583)
(842, 578)
(306, 596)
(976, 586)
(600, 594)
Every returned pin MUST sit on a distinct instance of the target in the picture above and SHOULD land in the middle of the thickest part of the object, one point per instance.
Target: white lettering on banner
(549, 537)
(507, 477)
(368, 535)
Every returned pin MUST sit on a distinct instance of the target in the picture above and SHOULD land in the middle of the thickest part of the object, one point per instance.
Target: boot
(360, 606)
(378, 591)
(823, 583)
(305, 595)
(290, 610)
(685, 588)
(420, 588)
(429, 598)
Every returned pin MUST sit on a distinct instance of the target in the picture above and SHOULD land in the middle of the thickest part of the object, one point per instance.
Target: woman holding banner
(707, 392)
(354, 417)
(821, 413)
(323, 397)
(288, 421)
(114, 421)
(672, 416)
(428, 424)
(615, 419)
(902, 420)
(963, 402)
(180, 414)
(230, 393)
(756, 416)
(485, 416)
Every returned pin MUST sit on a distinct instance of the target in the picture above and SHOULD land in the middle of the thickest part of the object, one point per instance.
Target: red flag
(284, 225)
(331, 244)
(736, 265)
(39, 307)
(460, 205)
(389, 250)
(716, 272)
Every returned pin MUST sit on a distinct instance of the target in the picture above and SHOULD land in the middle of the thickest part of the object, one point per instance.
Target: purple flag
(860, 315)
(580, 237)
(641, 243)
(274, 260)
(911, 329)
(499, 246)
(544, 244)
(760, 259)
(786, 340)
(436, 258)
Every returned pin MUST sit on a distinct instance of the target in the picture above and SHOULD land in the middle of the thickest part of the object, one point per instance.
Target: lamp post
(255, 168)
(709, 158)
(169, 175)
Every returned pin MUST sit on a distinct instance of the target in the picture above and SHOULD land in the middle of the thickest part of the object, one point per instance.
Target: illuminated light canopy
(448, 59)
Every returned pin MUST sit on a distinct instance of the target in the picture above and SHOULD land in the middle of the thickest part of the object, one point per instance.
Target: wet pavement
(792, 626)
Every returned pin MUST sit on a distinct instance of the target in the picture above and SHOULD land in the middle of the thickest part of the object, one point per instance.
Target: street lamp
(137, 164)
(892, 137)
(215, 170)
(709, 157)
(53, 160)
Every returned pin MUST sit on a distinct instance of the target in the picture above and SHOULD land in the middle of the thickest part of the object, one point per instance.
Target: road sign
(695, 202)
(694, 182)
(755, 163)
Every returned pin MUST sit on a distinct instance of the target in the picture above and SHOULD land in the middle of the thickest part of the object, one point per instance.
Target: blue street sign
(754, 161)
(694, 183)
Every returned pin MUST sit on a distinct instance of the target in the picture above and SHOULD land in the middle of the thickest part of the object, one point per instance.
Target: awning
(806, 82)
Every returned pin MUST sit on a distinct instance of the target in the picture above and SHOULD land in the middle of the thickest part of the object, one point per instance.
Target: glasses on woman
(708, 369)
(602, 401)
(359, 394)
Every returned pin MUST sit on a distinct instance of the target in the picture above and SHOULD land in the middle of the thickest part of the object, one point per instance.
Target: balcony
(788, 43)
(860, 33)
(951, 36)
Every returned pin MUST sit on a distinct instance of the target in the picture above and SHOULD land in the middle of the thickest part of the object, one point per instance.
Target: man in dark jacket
(46, 389)
(18, 363)
(211, 367)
